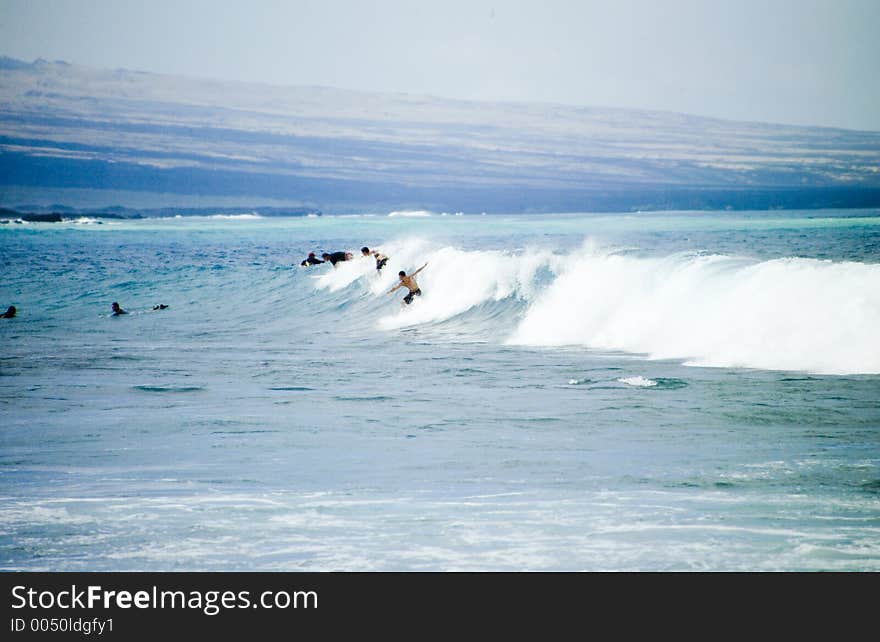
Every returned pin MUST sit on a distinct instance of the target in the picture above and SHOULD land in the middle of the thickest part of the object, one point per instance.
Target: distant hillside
(71, 128)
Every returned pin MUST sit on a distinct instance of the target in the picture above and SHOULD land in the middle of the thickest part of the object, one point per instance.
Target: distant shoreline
(11, 216)
(60, 214)
(561, 202)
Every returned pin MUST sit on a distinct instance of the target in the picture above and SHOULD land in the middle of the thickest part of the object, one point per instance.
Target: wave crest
(784, 314)
(707, 310)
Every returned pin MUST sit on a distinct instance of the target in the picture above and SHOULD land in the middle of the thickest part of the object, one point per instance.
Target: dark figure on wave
(311, 260)
(10, 312)
(410, 283)
(381, 259)
(336, 257)
(161, 306)
(117, 311)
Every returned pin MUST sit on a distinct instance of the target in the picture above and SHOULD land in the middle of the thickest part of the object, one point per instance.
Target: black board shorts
(381, 263)
(409, 297)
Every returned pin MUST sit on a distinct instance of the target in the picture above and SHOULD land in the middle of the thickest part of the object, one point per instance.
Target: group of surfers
(12, 311)
(406, 280)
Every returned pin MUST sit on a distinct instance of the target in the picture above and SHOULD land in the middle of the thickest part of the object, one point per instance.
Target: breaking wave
(410, 214)
(707, 310)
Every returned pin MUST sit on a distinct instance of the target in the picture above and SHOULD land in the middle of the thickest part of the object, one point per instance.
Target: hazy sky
(811, 62)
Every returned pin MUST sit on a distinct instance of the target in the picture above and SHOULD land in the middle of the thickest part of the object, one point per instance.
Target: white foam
(455, 281)
(344, 273)
(638, 381)
(410, 214)
(708, 310)
(236, 217)
(784, 314)
(217, 217)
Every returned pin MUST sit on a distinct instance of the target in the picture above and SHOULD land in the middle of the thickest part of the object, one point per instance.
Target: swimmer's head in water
(365, 250)
(114, 306)
(325, 255)
(311, 255)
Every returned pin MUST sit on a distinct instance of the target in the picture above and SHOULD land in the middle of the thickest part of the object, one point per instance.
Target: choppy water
(675, 391)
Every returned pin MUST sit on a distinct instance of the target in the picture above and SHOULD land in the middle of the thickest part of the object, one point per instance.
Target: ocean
(661, 391)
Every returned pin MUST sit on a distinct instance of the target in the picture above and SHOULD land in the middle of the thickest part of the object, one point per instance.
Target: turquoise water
(659, 391)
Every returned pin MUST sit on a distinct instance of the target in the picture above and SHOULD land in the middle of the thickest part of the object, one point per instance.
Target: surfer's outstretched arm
(420, 269)
(394, 288)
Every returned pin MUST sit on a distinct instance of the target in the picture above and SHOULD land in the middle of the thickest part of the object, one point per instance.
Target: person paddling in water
(410, 283)
(336, 257)
(311, 259)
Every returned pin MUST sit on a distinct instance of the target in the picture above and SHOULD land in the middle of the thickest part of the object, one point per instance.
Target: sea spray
(456, 281)
(784, 314)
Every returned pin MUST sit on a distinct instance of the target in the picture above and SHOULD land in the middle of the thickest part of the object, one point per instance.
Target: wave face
(708, 310)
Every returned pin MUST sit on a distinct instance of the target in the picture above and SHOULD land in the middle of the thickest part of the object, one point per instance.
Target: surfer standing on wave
(410, 283)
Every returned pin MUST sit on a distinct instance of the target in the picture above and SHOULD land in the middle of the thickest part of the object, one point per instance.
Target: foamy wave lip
(410, 214)
(456, 281)
(638, 381)
(224, 217)
(791, 314)
(344, 274)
